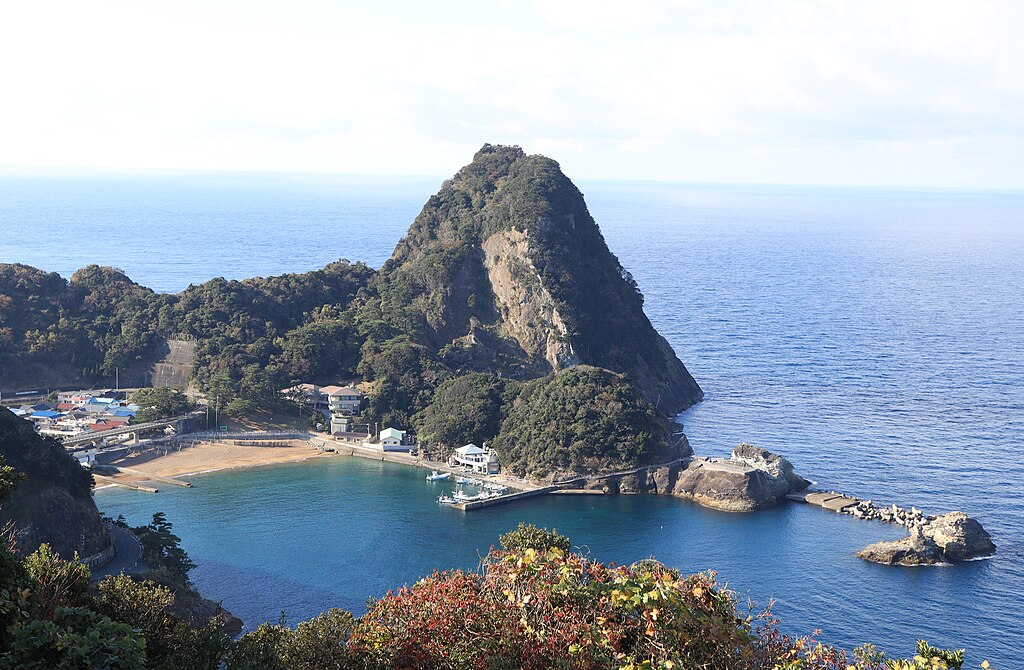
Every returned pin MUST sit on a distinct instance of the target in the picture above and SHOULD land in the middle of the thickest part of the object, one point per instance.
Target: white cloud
(791, 91)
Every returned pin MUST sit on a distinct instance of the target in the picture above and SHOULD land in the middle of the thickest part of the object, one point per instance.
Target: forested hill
(503, 278)
(505, 269)
(58, 332)
(53, 501)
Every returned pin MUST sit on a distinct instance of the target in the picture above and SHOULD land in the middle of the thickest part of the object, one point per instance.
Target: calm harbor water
(875, 337)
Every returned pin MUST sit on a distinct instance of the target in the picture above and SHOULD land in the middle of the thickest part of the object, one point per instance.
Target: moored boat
(436, 476)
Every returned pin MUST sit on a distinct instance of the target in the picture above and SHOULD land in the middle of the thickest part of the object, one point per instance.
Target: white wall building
(343, 399)
(481, 461)
(391, 439)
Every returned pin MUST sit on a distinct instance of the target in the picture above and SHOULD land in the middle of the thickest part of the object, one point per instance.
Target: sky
(857, 92)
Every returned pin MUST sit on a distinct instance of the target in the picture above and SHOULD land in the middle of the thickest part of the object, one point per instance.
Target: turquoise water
(875, 337)
(298, 537)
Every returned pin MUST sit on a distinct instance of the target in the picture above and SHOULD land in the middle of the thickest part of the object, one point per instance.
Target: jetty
(134, 487)
(843, 503)
(566, 487)
(144, 475)
(503, 499)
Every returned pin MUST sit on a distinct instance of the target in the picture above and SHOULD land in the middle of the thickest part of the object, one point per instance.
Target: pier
(134, 487)
(565, 487)
(143, 475)
(503, 499)
(842, 503)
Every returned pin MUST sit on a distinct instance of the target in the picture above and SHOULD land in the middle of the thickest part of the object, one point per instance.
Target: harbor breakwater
(932, 539)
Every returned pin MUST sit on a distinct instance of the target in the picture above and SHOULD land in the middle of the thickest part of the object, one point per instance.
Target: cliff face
(505, 263)
(54, 503)
(528, 313)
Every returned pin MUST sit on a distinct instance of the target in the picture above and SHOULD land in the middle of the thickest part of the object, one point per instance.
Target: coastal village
(73, 413)
(95, 426)
(340, 407)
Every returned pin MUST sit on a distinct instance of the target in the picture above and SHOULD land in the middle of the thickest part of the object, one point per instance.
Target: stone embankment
(933, 539)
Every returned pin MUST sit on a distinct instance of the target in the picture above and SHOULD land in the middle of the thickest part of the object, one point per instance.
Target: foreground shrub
(74, 638)
(318, 644)
(527, 536)
(552, 609)
(171, 643)
(533, 605)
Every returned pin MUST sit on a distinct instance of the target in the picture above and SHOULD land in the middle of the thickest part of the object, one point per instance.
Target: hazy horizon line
(43, 171)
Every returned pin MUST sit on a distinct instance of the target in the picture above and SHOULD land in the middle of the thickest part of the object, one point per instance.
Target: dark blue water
(875, 337)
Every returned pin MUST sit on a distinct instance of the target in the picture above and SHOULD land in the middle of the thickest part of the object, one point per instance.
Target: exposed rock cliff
(778, 470)
(529, 313)
(505, 258)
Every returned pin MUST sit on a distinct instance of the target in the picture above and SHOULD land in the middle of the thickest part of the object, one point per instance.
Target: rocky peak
(508, 244)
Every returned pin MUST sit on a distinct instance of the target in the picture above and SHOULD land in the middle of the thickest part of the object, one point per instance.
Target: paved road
(128, 558)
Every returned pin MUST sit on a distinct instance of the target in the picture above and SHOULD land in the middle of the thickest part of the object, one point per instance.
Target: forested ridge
(503, 281)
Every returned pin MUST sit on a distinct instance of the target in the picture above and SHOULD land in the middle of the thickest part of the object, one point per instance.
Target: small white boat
(446, 500)
(465, 480)
(465, 497)
(436, 476)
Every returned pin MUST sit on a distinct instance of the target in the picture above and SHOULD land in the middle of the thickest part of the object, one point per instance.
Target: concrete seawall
(504, 499)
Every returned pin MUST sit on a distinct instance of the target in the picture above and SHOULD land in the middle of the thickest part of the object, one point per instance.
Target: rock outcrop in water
(945, 538)
(751, 479)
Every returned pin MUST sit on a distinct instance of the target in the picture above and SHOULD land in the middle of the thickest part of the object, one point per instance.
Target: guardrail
(238, 435)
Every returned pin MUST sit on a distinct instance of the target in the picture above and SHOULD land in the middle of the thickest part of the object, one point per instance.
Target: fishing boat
(465, 480)
(436, 476)
(446, 500)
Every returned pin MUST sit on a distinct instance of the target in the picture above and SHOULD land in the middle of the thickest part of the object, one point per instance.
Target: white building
(391, 439)
(481, 461)
(343, 400)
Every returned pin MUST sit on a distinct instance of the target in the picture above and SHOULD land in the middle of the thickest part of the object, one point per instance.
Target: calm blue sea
(875, 337)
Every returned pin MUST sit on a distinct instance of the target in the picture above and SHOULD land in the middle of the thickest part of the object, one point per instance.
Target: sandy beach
(183, 460)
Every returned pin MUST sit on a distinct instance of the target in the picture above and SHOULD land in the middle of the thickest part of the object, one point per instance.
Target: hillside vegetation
(581, 420)
(53, 502)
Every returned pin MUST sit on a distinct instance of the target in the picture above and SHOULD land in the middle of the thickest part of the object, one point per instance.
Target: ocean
(875, 337)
